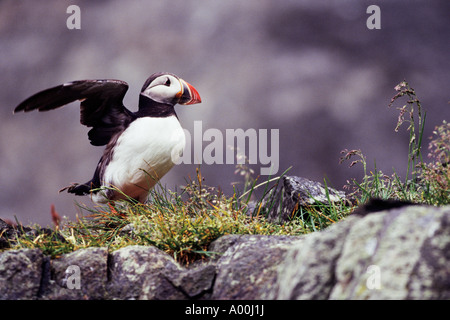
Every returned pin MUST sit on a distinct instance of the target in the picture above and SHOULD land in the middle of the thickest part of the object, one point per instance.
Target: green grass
(183, 224)
(424, 183)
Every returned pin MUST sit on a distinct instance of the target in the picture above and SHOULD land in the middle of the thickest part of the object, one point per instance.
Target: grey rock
(402, 246)
(394, 254)
(307, 192)
(308, 269)
(80, 275)
(297, 192)
(196, 282)
(140, 272)
(248, 269)
(20, 274)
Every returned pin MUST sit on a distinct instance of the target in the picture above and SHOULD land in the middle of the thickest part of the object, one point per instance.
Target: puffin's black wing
(101, 105)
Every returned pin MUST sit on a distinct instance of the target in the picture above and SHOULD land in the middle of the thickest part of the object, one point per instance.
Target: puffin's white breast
(144, 153)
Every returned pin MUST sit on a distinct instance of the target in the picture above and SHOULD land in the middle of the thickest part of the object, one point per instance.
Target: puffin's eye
(167, 83)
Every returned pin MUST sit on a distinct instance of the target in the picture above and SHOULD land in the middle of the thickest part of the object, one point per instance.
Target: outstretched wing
(101, 105)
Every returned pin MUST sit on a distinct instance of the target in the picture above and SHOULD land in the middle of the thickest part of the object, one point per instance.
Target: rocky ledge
(399, 253)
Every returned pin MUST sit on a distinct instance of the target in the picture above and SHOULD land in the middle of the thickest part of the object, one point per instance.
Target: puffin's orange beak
(188, 94)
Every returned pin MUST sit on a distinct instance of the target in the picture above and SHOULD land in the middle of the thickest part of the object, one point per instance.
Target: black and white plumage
(141, 146)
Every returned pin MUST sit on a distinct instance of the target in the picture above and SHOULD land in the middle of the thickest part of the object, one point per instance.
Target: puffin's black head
(169, 89)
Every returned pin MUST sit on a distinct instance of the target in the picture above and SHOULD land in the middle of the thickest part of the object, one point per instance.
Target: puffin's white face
(169, 89)
(164, 89)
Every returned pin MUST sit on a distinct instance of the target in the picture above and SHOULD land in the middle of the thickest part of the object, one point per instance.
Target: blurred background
(311, 69)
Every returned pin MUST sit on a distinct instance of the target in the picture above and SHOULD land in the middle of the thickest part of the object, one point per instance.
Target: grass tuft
(426, 183)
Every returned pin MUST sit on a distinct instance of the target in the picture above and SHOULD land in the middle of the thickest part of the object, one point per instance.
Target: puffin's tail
(79, 189)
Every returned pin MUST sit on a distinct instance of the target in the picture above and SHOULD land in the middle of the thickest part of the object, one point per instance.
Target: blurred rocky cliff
(311, 69)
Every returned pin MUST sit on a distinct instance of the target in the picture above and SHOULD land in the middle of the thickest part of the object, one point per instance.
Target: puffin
(141, 147)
